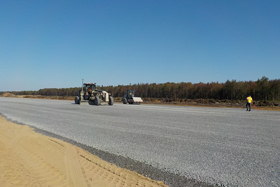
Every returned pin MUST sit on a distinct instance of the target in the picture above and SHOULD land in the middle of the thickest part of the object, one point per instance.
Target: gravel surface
(217, 146)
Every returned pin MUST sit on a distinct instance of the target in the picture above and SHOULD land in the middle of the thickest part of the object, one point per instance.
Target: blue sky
(56, 43)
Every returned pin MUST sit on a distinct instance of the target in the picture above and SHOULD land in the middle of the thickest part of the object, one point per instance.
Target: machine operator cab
(87, 90)
(130, 94)
(89, 87)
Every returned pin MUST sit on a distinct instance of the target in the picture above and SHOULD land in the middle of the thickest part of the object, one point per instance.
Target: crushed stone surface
(199, 146)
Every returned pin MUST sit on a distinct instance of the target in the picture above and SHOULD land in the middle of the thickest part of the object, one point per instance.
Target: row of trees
(262, 89)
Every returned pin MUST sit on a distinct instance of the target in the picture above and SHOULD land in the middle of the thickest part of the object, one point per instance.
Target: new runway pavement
(217, 146)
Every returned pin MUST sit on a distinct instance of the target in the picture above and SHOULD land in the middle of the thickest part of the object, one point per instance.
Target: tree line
(262, 89)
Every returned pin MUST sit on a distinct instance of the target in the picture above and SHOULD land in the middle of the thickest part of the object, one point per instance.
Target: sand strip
(31, 159)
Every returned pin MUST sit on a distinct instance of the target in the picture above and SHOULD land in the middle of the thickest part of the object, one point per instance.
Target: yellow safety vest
(249, 99)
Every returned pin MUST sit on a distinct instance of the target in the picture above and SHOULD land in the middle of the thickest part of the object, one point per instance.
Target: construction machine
(91, 95)
(129, 98)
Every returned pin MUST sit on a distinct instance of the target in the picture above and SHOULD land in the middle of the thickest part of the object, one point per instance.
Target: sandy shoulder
(31, 159)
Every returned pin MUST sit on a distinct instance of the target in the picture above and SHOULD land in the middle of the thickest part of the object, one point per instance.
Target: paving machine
(89, 94)
(129, 98)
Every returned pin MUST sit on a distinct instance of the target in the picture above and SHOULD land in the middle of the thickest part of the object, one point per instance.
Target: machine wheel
(111, 100)
(86, 97)
(77, 100)
(97, 100)
(124, 101)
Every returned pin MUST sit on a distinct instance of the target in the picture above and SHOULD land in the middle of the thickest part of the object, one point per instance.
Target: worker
(249, 101)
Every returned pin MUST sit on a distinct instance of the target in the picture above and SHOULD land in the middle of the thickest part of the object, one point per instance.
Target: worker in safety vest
(249, 101)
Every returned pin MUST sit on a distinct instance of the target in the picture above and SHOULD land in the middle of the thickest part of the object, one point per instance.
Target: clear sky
(56, 43)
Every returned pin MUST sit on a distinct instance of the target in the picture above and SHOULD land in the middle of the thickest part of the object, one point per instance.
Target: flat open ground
(218, 146)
